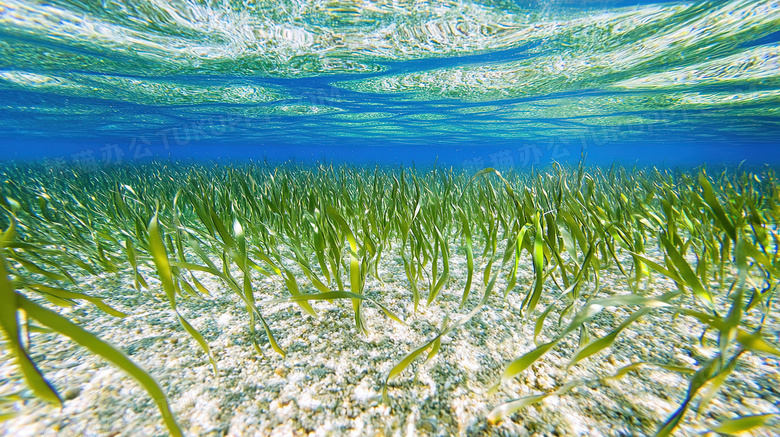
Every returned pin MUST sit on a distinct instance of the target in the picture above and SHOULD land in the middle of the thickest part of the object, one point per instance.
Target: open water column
(389, 218)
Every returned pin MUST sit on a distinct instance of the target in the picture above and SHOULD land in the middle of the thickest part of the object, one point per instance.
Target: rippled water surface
(366, 73)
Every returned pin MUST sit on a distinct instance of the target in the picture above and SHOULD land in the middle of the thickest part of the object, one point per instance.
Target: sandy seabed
(331, 381)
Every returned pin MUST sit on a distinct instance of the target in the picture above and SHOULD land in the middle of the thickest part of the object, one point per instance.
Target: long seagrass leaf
(67, 328)
(9, 323)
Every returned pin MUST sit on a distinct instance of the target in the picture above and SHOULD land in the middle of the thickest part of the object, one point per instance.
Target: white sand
(331, 381)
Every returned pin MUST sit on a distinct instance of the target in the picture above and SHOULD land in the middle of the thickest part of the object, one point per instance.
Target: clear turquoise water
(470, 83)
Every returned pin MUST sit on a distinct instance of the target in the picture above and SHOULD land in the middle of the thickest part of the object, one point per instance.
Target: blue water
(472, 84)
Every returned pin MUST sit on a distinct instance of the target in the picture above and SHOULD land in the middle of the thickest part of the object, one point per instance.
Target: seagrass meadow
(569, 300)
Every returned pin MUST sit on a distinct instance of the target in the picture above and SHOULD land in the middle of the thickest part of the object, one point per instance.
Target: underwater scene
(389, 218)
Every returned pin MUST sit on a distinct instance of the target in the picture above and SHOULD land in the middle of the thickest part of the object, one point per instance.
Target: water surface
(535, 80)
